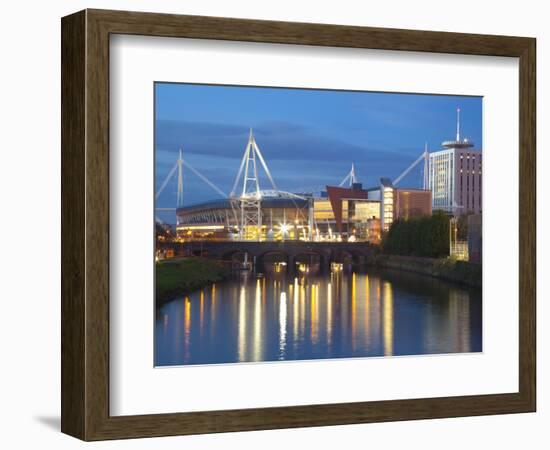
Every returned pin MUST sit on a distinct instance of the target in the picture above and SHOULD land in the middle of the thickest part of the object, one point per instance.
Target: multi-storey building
(455, 176)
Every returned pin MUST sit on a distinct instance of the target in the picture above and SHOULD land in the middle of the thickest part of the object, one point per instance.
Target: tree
(426, 236)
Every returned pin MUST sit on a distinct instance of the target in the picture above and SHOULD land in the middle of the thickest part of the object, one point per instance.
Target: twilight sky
(307, 137)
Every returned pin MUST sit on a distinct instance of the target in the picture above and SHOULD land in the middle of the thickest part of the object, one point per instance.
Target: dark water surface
(337, 315)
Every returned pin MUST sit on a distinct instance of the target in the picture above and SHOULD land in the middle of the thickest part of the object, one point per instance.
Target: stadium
(347, 212)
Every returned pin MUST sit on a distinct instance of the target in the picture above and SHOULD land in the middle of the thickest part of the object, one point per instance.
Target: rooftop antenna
(457, 124)
(457, 143)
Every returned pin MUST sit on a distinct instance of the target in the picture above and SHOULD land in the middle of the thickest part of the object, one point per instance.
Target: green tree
(426, 236)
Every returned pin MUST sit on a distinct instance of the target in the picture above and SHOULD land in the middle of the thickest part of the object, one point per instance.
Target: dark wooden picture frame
(85, 224)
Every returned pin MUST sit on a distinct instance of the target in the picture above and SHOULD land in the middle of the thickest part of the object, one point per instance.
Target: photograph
(272, 225)
(298, 224)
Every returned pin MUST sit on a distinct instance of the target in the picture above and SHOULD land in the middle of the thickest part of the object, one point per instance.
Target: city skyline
(298, 263)
(308, 137)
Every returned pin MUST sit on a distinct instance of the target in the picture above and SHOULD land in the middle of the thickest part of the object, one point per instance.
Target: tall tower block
(455, 175)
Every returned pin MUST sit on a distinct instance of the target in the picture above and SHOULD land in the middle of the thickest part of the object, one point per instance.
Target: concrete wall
(446, 269)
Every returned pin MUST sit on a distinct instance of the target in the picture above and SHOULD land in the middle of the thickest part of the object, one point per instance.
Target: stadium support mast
(426, 169)
(423, 157)
(350, 177)
(408, 169)
(179, 199)
(250, 199)
(178, 168)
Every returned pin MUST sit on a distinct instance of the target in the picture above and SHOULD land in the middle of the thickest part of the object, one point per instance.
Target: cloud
(277, 140)
(297, 156)
(277, 127)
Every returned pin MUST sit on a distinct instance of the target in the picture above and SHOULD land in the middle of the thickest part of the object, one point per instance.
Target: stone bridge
(290, 252)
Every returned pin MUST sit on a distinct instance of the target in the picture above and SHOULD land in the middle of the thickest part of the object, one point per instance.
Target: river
(343, 314)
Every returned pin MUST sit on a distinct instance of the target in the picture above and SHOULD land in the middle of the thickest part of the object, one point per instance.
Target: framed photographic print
(270, 224)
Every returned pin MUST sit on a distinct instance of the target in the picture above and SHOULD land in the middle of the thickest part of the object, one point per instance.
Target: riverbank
(462, 272)
(181, 276)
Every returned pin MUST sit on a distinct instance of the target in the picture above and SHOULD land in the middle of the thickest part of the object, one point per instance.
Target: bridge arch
(234, 255)
(324, 252)
(309, 261)
(273, 260)
(345, 257)
(273, 256)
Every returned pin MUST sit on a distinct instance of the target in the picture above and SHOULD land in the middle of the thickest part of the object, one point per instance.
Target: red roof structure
(337, 194)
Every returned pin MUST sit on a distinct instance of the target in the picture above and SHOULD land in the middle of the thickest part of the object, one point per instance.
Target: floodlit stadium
(335, 213)
(279, 217)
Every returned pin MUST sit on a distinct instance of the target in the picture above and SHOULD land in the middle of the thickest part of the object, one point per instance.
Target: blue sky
(307, 137)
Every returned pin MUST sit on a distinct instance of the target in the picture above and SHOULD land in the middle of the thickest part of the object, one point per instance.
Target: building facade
(340, 214)
(400, 203)
(455, 178)
(412, 203)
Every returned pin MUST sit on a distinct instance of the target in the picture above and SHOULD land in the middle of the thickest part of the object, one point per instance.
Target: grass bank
(447, 269)
(181, 276)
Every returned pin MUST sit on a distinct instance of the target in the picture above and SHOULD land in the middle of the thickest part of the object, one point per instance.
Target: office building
(455, 176)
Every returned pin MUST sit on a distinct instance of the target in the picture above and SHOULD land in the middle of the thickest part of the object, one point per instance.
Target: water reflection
(282, 326)
(242, 325)
(258, 325)
(388, 319)
(341, 314)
